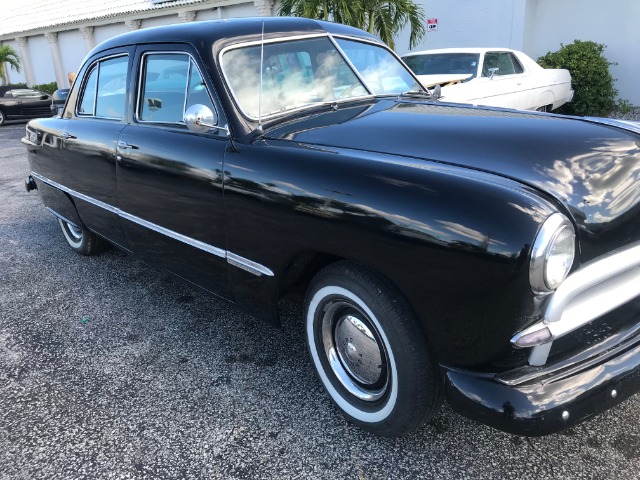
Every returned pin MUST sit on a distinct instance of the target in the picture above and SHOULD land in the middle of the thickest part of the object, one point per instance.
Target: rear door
(93, 120)
(169, 178)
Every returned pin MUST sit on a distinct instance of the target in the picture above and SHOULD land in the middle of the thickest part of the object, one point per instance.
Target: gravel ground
(110, 368)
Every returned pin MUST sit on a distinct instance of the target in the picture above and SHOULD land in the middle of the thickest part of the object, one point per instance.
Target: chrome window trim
(590, 292)
(96, 64)
(232, 258)
(192, 60)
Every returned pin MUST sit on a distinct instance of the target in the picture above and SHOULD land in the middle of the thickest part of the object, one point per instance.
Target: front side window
(104, 91)
(171, 83)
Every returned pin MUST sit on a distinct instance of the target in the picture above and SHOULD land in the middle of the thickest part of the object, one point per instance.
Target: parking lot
(110, 368)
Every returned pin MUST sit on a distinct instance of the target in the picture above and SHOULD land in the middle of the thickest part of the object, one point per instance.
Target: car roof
(459, 50)
(212, 31)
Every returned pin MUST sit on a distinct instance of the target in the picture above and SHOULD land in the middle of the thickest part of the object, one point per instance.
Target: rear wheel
(82, 240)
(369, 350)
(2, 118)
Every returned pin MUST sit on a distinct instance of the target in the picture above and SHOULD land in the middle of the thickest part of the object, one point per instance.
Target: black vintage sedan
(487, 256)
(19, 103)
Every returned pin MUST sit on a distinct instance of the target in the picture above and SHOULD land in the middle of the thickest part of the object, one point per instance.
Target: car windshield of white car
(444, 63)
(300, 73)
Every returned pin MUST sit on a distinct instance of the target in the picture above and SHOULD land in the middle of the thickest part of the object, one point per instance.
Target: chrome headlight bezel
(557, 226)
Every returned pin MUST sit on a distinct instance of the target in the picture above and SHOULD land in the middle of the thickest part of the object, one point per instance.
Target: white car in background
(498, 77)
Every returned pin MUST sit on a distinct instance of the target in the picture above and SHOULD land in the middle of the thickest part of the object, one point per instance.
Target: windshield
(443, 63)
(310, 71)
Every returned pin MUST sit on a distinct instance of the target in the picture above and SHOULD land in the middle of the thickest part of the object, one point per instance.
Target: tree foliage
(10, 56)
(382, 18)
(592, 82)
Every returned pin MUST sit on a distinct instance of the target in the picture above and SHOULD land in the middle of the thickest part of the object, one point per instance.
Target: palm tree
(341, 11)
(384, 18)
(10, 56)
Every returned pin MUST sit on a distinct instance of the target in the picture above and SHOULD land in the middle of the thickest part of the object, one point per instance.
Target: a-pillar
(25, 60)
(264, 7)
(61, 78)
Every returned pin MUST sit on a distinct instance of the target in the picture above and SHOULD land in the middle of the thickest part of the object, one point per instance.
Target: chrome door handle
(66, 136)
(125, 145)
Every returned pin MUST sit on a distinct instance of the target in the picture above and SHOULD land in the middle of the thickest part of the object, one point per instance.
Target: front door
(169, 178)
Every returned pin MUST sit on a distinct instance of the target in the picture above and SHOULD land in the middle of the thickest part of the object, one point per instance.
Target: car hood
(591, 168)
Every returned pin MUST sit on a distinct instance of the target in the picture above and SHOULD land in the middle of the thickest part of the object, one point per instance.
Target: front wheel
(369, 350)
(2, 118)
(82, 240)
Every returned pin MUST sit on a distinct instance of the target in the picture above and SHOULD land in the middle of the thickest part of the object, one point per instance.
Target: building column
(133, 24)
(264, 7)
(52, 38)
(89, 39)
(25, 60)
(187, 16)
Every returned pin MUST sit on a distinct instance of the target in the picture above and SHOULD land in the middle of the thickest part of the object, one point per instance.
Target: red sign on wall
(432, 24)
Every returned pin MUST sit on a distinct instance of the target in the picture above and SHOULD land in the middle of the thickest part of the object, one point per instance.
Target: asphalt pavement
(110, 368)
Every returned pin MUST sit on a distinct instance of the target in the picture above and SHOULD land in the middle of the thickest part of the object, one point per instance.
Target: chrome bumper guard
(595, 289)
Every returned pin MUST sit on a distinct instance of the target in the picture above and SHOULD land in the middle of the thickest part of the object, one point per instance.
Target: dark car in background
(19, 103)
(487, 256)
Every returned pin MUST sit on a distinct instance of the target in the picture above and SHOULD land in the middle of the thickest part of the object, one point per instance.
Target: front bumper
(537, 401)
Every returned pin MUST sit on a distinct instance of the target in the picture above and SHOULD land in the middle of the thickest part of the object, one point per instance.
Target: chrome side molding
(232, 258)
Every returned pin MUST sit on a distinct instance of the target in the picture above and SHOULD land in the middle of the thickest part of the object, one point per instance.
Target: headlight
(553, 254)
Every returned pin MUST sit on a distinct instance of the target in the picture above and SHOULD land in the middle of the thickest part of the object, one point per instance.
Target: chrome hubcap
(75, 232)
(354, 350)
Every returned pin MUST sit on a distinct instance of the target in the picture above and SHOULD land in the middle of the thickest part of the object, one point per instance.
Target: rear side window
(104, 91)
(171, 82)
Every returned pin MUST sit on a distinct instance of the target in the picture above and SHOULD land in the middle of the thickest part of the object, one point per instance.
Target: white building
(52, 37)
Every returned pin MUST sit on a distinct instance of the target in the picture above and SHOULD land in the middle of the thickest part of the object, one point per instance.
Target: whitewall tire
(369, 350)
(82, 240)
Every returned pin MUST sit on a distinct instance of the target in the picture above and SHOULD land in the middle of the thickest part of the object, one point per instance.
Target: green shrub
(590, 77)
(46, 87)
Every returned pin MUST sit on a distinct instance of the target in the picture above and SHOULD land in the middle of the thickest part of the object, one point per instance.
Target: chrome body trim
(232, 258)
(248, 265)
(613, 122)
(590, 292)
(64, 219)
